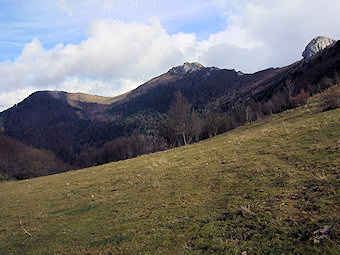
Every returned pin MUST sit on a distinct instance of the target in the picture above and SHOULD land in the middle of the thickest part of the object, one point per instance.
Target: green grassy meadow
(263, 188)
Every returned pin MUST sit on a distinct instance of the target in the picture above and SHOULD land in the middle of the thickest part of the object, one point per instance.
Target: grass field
(263, 188)
(74, 99)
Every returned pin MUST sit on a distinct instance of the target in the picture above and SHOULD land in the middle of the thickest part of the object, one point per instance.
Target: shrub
(300, 99)
(330, 99)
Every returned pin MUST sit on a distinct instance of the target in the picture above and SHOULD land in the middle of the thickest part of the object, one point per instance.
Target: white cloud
(284, 27)
(233, 57)
(98, 87)
(117, 56)
(10, 98)
(30, 51)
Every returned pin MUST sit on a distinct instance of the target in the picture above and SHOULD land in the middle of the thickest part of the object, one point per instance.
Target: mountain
(316, 45)
(85, 130)
(60, 122)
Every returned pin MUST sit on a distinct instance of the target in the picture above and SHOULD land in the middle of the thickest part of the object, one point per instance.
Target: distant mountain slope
(47, 120)
(70, 124)
(75, 98)
(212, 87)
(201, 87)
(270, 187)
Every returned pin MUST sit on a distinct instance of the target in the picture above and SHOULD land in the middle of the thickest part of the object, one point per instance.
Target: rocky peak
(317, 44)
(186, 68)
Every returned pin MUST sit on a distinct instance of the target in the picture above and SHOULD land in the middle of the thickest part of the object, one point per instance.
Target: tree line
(183, 124)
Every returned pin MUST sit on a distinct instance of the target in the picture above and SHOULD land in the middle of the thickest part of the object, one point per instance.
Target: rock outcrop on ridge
(186, 68)
(317, 44)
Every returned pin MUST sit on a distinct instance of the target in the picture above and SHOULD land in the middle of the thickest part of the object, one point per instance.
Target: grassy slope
(252, 189)
(74, 98)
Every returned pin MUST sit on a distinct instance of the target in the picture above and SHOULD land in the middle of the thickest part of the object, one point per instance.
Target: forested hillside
(18, 161)
(84, 130)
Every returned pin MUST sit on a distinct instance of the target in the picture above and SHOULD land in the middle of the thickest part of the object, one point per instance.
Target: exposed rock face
(239, 73)
(186, 68)
(317, 44)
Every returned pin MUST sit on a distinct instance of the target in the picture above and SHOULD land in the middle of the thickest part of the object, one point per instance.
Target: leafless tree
(289, 88)
(182, 123)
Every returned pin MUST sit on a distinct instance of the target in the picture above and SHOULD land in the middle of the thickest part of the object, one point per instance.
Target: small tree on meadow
(181, 123)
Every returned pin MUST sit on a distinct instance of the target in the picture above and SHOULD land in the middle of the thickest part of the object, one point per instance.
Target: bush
(300, 99)
(330, 99)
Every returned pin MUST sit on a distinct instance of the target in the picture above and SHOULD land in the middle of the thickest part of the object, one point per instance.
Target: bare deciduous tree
(182, 123)
(289, 88)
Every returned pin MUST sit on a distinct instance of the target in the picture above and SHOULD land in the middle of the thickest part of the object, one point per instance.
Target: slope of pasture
(264, 188)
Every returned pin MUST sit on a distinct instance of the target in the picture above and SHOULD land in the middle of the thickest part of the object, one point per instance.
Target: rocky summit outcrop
(186, 68)
(317, 44)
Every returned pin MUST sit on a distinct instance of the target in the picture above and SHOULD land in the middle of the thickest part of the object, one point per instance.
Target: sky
(109, 47)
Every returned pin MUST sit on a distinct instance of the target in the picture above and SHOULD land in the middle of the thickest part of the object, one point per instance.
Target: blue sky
(109, 47)
(65, 22)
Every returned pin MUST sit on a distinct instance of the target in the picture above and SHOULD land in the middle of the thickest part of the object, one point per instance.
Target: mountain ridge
(74, 125)
(316, 45)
